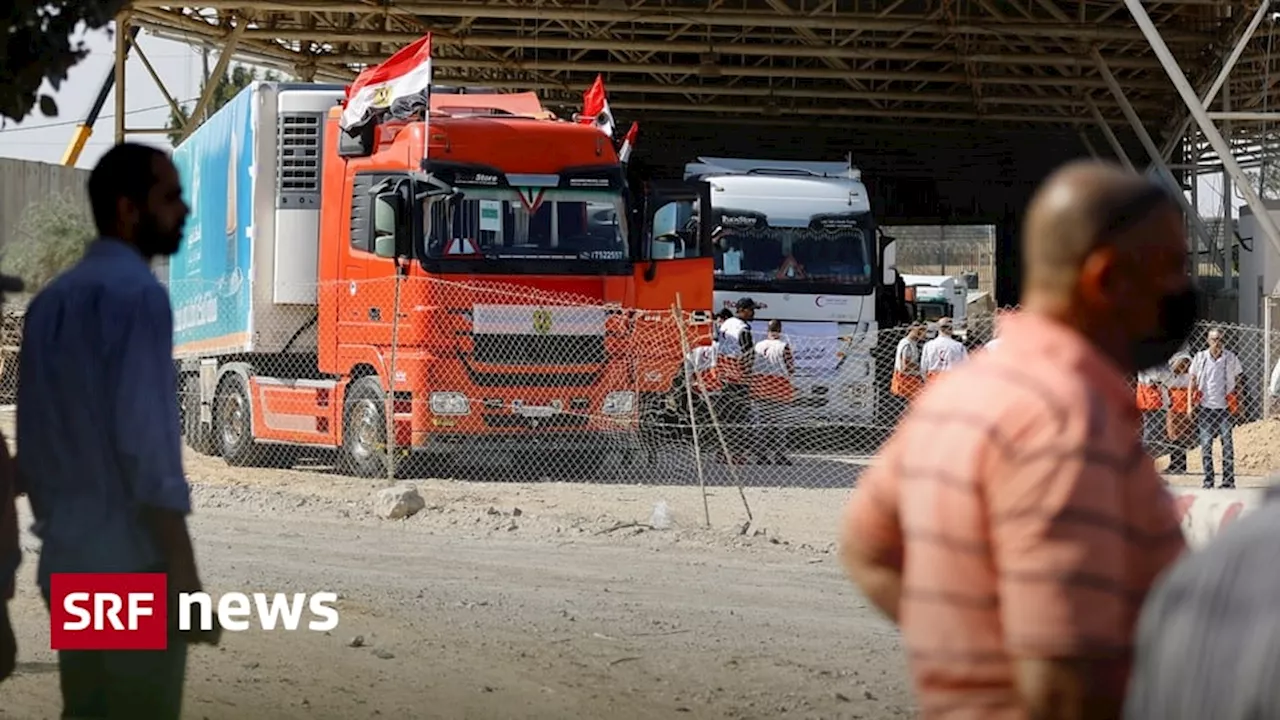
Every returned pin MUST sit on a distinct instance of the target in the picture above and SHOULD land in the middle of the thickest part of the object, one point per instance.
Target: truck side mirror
(390, 224)
(890, 262)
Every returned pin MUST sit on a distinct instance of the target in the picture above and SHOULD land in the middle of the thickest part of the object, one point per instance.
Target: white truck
(937, 296)
(800, 240)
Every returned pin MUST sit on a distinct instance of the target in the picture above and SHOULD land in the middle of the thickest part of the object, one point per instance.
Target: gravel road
(508, 601)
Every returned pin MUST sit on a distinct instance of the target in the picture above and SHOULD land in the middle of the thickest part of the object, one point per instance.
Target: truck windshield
(818, 257)
(538, 224)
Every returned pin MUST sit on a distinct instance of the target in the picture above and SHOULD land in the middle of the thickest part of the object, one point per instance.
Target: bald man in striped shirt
(1014, 522)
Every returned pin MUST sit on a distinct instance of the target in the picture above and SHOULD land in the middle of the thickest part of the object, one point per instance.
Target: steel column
(1193, 214)
(1201, 117)
(122, 62)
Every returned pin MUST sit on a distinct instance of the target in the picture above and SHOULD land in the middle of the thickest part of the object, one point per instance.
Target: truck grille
(539, 349)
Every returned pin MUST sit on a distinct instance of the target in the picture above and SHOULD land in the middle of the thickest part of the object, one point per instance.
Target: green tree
(52, 235)
(35, 42)
(231, 83)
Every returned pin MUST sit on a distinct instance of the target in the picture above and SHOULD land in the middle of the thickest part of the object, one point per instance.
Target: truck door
(675, 248)
(674, 263)
(366, 308)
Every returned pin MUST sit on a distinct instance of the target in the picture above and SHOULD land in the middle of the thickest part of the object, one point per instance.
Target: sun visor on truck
(463, 176)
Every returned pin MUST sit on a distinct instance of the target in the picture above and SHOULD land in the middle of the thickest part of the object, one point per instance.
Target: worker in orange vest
(1151, 404)
(735, 356)
(772, 392)
(908, 378)
(1179, 424)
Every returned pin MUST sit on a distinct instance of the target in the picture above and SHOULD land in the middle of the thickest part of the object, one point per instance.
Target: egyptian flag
(595, 107)
(401, 85)
(628, 143)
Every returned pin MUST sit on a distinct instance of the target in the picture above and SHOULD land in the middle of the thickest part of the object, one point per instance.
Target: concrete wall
(23, 182)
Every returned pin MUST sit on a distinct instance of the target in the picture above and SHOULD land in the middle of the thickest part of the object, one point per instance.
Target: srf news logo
(130, 611)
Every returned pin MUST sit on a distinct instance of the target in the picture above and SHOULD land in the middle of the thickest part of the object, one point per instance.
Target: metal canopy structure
(991, 94)
(1014, 62)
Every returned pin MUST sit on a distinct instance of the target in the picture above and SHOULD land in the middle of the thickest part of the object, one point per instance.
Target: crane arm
(85, 128)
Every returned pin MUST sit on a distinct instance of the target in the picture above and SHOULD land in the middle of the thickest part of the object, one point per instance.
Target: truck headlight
(449, 403)
(620, 402)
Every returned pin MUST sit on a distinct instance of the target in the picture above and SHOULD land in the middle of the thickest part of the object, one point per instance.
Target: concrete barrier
(1205, 513)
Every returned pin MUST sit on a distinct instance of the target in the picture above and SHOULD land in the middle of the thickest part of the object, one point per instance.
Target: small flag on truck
(400, 84)
(595, 107)
(628, 143)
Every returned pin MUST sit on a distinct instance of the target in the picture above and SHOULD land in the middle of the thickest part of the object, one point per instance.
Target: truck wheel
(233, 422)
(199, 437)
(364, 429)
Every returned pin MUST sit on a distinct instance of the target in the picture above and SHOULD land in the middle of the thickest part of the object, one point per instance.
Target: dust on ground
(530, 600)
(1257, 455)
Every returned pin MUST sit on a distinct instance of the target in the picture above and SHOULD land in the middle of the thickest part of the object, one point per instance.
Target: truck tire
(233, 423)
(364, 429)
(200, 438)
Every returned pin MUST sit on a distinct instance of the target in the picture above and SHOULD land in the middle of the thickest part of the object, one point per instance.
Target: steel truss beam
(584, 13)
(1201, 117)
(1166, 175)
(994, 61)
(124, 41)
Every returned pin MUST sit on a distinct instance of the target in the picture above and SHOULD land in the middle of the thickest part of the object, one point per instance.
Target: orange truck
(486, 267)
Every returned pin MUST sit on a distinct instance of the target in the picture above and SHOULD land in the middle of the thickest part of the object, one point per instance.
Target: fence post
(1267, 310)
(390, 408)
(678, 311)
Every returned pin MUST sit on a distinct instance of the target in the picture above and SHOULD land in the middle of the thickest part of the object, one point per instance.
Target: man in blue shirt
(10, 551)
(98, 425)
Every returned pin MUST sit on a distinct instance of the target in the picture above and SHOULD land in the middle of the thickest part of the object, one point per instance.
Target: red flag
(595, 107)
(628, 143)
(403, 75)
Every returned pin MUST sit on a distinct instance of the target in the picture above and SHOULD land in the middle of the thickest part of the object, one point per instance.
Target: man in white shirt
(1216, 373)
(942, 353)
(771, 392)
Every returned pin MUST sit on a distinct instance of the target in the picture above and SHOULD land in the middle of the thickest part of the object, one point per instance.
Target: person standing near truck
(735, 359)
(908, 377)
(98, 425)
(772, 391)
(943, 353)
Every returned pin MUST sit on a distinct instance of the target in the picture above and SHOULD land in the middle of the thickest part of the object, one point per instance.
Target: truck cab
(932, 297)
(799, 238)
(455, 282)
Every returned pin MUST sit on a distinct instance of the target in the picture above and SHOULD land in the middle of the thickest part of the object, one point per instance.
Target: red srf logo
(108, 611)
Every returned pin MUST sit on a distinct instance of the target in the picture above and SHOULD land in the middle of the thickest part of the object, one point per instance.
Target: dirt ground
(505, 600)
(1257, 451)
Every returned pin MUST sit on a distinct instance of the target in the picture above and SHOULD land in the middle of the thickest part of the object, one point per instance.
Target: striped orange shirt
(1030, 520)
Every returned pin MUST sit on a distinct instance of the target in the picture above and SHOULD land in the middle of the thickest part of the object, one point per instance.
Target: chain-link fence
(493, 382)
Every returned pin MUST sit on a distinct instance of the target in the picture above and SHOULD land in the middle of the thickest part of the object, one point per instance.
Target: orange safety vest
(1177, 399)
(1149, 397)
(1233, 400)
(771, 379)
(904, 385)
(708, 379)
